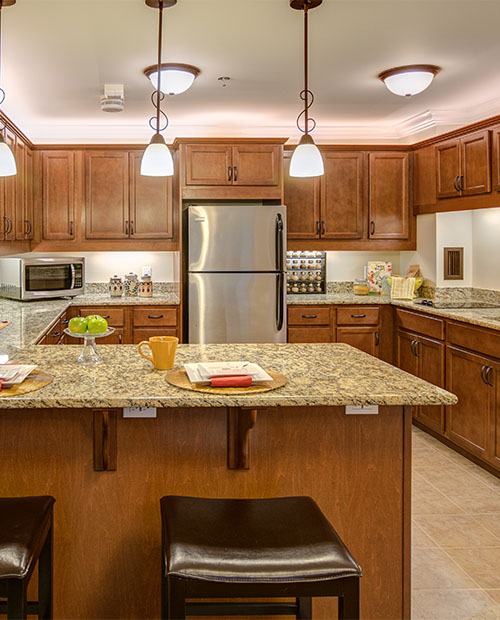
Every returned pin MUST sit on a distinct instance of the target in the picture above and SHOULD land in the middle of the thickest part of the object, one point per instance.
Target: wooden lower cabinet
(310, 334)
(365, 338)
(144, 333)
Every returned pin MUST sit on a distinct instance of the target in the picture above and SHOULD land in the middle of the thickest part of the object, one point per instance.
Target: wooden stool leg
(16, 599)
(304, 608)
(349, 602)
(164, 586)
(45, 579)
(176, 599)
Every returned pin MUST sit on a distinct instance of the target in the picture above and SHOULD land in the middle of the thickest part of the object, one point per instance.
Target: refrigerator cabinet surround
(235, 285)
(220, 311)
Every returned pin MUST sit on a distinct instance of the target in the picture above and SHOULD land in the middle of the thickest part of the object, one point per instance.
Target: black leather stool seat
(253, 548)
(285, 538)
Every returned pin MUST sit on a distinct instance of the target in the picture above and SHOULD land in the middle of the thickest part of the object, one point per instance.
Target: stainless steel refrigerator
(235, 285)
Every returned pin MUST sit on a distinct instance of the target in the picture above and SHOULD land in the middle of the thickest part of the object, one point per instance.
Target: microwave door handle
(279, 301)
(73, 274)
(279, 242)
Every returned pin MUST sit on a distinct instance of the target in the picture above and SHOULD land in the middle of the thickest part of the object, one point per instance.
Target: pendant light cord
(157, 96)
(306, 95)
(2, 92)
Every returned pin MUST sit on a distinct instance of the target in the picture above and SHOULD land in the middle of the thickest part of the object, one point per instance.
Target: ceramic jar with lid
(131, 285)
(115, 286)
(146, 287)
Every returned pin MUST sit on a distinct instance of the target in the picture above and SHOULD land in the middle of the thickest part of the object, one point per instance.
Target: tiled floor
(456, 535)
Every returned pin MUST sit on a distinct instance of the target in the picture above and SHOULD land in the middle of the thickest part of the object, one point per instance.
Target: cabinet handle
(455, 183)
(309, 316)
(6, 228)
(56, 334)
(155, 316)
(358, 316)
(71, 228)
(107, 316)
(413, 346)
(487, 375)
(461, 183)
(236, 174)
(372, 226)
(26, 227)
(318, 228)
(230, 173)
(131, 227)
(119, 338)
(377, 339)
(417, 348)
(66, 321)
(323, 227)
(9, 225)
(30, 230)
(126, 227)
(483, 376)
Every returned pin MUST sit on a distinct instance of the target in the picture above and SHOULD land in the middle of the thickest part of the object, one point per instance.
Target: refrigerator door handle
(280, 278)
(279, 243)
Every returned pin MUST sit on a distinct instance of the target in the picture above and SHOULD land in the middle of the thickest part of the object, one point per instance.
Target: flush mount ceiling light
(306, 159)
(157, 159)
(410, 79)
(176, 78)
(7, 161)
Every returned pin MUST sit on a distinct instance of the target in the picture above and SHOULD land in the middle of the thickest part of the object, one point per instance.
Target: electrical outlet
(146, 272)
(361, 409)
(139, 412)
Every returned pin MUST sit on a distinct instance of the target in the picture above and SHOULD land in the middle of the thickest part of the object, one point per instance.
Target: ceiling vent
(113, 99)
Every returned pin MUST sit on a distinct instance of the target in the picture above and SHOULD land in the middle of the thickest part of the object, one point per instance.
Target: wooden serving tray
(180, 379)
(34, 381)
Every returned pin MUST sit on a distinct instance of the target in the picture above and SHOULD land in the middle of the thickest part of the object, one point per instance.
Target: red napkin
(231, 381)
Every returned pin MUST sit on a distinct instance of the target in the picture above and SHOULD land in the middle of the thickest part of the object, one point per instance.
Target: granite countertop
(318, 375)
(29, 320)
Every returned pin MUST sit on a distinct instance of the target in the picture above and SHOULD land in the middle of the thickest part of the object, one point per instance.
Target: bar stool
(25, 539)
(253, 548)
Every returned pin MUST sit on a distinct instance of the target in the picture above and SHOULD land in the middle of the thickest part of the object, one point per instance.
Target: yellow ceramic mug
(162, 350)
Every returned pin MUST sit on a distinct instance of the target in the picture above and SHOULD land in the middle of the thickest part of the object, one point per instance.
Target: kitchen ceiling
(58, 54)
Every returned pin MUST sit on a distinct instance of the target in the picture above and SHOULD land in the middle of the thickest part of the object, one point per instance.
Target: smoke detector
(113, 99)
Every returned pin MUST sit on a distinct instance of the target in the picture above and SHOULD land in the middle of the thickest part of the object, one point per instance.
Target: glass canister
(115, 286)
(146, 287)
(361, 287)
(131, 285)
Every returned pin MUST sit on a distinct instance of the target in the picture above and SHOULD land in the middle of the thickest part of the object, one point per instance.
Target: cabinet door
(302, 196)
(144, 333)
(10, 190)
(309, 334)
(150, 203)
(495, 143)
(19, 224)
(256, 164)
(28, 194)
(364, 338)
(424, 177)
(208, 164)
(448, 169)
(431, 368)
(493, 378)
(342, 196)
(476, 172)
(58, 195)
(406, 357)
(467, 422)
(389, 197)
(106, 195)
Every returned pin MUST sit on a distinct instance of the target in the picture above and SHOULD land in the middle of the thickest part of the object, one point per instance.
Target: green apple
(78, 324)
(96, 324)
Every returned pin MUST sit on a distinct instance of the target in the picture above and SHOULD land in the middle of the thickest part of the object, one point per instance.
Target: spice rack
(306, 272)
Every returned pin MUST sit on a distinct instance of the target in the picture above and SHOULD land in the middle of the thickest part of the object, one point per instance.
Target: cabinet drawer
(356, 315)
(144, 333)
(54, 334)
(114, 316)
(309, 315)
(427, 325)
(156, 316)
(477, 339)
(309, 334)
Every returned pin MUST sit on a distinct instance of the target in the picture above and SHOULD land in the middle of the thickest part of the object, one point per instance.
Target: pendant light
(157, 159)
(306, 159)
(176, 78)
(7, 161)
(410, 79)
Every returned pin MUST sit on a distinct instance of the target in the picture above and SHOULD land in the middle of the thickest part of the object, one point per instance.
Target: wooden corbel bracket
(105, 439)
(239, 424)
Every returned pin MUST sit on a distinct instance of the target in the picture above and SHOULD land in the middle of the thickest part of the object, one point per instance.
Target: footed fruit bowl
(89, 354)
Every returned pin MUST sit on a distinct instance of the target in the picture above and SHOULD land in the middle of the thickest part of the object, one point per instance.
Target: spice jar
(131, 285)
(146, 287)
(115, 286)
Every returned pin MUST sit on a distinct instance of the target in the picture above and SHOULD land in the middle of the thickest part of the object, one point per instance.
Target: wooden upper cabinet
(463, 165)
(389, 195)
(106, 195)
(208, 164)
(495, 156)
(10, 187)
(19, 220)
(29, 214)
(256, 164)
(342, 202)
(424, 177)
(58, 194)
(150, 203)
(302, 200)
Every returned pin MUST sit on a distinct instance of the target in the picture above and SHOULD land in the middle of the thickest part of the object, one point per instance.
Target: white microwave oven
(26, 278)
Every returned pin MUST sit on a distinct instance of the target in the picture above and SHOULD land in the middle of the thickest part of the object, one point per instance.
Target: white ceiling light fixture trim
(175, 78)
(306, 159)
(410, 79)
(8, 165)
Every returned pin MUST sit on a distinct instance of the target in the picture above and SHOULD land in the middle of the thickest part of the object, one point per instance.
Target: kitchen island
(107, 472)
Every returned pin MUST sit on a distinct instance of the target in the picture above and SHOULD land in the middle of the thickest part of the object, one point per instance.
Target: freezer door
(243, 307)
(236, 238)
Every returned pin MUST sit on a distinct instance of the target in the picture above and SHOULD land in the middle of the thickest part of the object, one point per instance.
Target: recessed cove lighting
(410, 79)
(176, 78)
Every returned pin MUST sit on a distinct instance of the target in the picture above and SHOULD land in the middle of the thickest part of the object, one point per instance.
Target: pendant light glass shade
(306, 159)
(157, 160)
(8, 166)
(409, 80)
(175, 78)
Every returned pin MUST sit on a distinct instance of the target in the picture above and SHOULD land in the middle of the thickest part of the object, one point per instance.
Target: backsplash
(96, 288)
